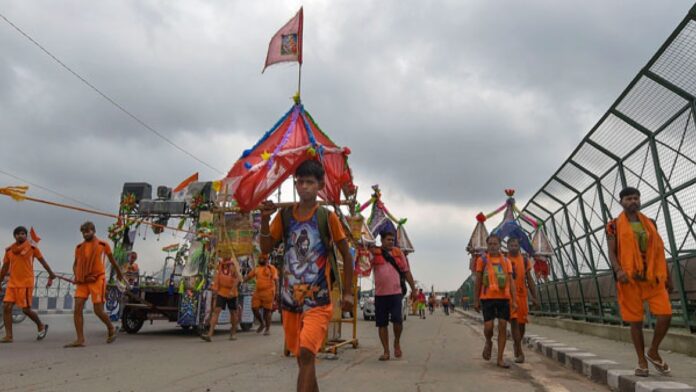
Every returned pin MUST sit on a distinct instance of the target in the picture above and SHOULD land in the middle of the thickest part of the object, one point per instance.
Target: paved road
(440, 354)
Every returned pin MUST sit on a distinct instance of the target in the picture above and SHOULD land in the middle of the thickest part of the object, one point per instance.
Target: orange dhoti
(307, 329)
(97, 290)
(263, 299)
(521, 314)
(633, 294)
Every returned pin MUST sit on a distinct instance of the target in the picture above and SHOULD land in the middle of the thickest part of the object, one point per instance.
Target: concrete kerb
(600, 370)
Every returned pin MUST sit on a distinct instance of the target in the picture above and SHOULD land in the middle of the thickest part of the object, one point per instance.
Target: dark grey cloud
(444, 103)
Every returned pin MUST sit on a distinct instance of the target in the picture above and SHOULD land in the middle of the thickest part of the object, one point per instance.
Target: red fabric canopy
(294, 139)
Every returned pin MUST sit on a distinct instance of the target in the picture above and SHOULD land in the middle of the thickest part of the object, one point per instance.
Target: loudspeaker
(164, 192)
(161, 207)
(141, 190)
(203, 188)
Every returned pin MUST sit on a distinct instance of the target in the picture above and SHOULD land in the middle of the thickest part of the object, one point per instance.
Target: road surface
(441, 353)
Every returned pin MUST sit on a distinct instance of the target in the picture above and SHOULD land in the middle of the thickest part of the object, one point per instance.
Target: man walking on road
(19, 263)
(90, 281)
(308, 232)
(420, 298)
(388, 266)
(495, 296)
(266, 276)
(637, 255)
(521, 273)
(446, 304)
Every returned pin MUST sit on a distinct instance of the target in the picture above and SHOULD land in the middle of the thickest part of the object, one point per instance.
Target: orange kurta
(650, 264)
(493, 291)
(520, 268)
(20, 261)
(266, 278)
(90, 270)
(226, 280)
(90, 257)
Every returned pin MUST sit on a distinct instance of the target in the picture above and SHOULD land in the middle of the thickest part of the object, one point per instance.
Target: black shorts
(495, 309)
(222, 302)
(388, 307)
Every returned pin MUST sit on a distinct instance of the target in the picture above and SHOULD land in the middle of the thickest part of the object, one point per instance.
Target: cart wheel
(18, 317)
(130, 322)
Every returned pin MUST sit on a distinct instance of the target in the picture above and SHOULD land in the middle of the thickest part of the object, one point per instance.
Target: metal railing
(647, 139)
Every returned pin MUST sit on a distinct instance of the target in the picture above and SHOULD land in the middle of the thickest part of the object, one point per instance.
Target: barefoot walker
(495, 296)
(308, 232)
(90, 280)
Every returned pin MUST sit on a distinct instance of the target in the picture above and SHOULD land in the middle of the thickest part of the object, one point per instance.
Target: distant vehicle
(369, 308)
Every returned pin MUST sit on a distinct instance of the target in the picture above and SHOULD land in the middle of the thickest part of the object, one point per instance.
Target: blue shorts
(388, 307)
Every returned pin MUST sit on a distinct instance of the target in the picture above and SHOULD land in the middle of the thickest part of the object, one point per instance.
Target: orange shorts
(262, 299)
(307, 329)
(522, 312)
(20, 296)
(97, 290)
(632, 295)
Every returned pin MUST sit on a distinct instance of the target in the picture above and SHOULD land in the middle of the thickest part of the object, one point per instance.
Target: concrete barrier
(676, 340)
(600, 370)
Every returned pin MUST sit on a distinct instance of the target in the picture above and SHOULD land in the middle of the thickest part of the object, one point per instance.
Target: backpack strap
(327, 239)
(484, 273)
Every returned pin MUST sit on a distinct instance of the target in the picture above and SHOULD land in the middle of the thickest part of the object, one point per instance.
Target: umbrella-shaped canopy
(294, 139)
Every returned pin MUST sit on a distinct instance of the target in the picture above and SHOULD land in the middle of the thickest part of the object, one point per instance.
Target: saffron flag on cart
(286, 44)
(180, 191)
(295, 138)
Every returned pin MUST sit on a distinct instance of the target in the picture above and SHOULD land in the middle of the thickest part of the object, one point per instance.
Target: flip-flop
(519, 359)
(266, 333)
(112, 336)
(43, 333)
(505, 365)
(661, 366)
(487, 349)
(398, 353)
(73, 345)
(206, 337)
(640, 372)
(5, 340)
(384, 357)
(233, 337)
(260, 329)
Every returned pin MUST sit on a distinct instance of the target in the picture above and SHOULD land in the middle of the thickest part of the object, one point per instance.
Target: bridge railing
(647, 139)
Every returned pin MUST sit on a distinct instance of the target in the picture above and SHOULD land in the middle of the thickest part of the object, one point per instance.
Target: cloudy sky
(443, 103)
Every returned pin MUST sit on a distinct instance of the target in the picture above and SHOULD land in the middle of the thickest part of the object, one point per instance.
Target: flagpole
(299, 81)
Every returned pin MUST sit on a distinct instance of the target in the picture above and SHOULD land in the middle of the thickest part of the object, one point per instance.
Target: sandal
(397, 352)
(640, 372)
(384, 357)
(43, 333)
(111, 337)
(661, 366)
(519, 359)
(6, 340)
(74, 345)
(233, 337)
(503, 365)
(206, 337)
(487, 349)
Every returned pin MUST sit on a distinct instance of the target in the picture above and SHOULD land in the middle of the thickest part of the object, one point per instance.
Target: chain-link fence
(647, 139)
